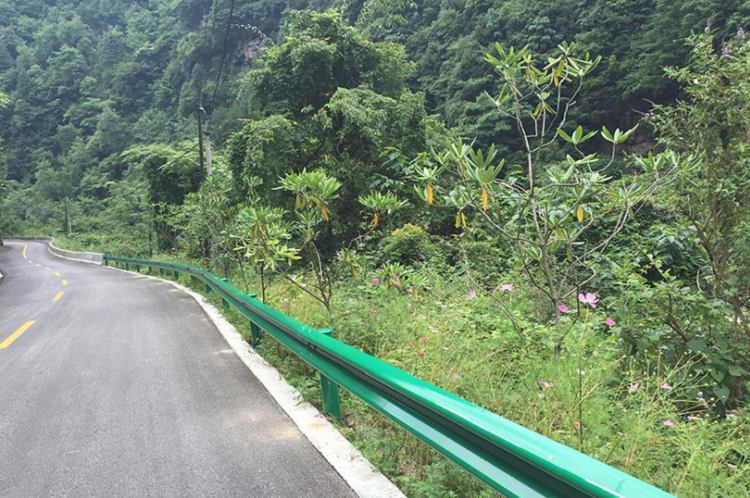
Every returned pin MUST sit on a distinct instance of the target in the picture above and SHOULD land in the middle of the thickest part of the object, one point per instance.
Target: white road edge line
(347, 460)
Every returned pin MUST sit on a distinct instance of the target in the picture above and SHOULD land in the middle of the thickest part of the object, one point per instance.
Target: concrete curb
(347, 460)
(93, 258)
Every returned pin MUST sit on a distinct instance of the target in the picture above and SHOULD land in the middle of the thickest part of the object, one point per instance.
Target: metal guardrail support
(331, 400)
(512, 459)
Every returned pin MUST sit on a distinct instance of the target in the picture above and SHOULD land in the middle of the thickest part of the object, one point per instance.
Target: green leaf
(697, 345)
(564, 135)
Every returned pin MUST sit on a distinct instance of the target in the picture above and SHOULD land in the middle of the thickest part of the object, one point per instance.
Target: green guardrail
(512, 459)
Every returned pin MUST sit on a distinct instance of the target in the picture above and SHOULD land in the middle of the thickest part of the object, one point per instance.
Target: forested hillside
(542, 206)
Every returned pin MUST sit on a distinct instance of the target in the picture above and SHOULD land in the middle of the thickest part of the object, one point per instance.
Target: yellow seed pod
(430, 198)
(375, 220)
(324, 212)
(579, 213)
(485, 199)
(463, 220)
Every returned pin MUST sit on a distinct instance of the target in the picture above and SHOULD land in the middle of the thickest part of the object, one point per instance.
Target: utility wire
(223, 54)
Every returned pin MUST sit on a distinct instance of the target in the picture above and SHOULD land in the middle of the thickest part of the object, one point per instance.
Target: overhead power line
(223, 54)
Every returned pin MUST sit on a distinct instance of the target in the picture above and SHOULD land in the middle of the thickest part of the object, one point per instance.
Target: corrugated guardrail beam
(512, 459)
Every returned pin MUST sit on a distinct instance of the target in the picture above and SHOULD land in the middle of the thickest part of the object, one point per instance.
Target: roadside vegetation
(581, 270)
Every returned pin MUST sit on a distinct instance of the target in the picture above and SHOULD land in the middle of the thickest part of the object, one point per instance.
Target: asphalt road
(121, 386)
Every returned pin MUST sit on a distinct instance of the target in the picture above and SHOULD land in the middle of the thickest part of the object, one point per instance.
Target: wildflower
(546, 384)
(588, 298)
(577, 426)
(424, 339)
(668, 423)
(472, 294)
(563, 308)
(376, 281)
(421, 354)
(741, 34)
(581, 373)
(633, 387)
(506, 287)
(610, 322)
(725, 52)
(666, 387)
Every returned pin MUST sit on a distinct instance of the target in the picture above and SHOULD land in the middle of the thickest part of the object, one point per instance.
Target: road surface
(117, 385)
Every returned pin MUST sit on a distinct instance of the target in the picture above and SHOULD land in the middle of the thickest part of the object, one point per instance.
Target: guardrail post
(161, 271)
(224, 302)
(331, 400)
(127, 266)
(175, 274)
(255, 332)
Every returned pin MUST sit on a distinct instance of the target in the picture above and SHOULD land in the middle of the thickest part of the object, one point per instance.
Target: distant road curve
(115, 385)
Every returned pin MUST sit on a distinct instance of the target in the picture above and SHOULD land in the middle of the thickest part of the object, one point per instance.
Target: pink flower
(424, 339)
(577, 426)
(376, 281)
(563, 308)
(397, 283)
(421, 354)
(633, 387)
(588, 298)
(506, 287)
(546, 384)
(472, 294)
(610, 322)
(668, 423)
(666, 387)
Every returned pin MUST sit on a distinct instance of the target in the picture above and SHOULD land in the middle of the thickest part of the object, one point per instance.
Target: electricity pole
(203, 137)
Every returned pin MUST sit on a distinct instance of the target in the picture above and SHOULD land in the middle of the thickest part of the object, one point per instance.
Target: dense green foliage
(516, 200)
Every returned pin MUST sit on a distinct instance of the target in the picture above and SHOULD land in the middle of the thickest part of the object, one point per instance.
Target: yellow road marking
(58, 296)
(24, 251)
(57, 273)
(15, 335)
(64, 282)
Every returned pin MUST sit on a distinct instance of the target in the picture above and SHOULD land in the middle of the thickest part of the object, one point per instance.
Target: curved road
(116, 385)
